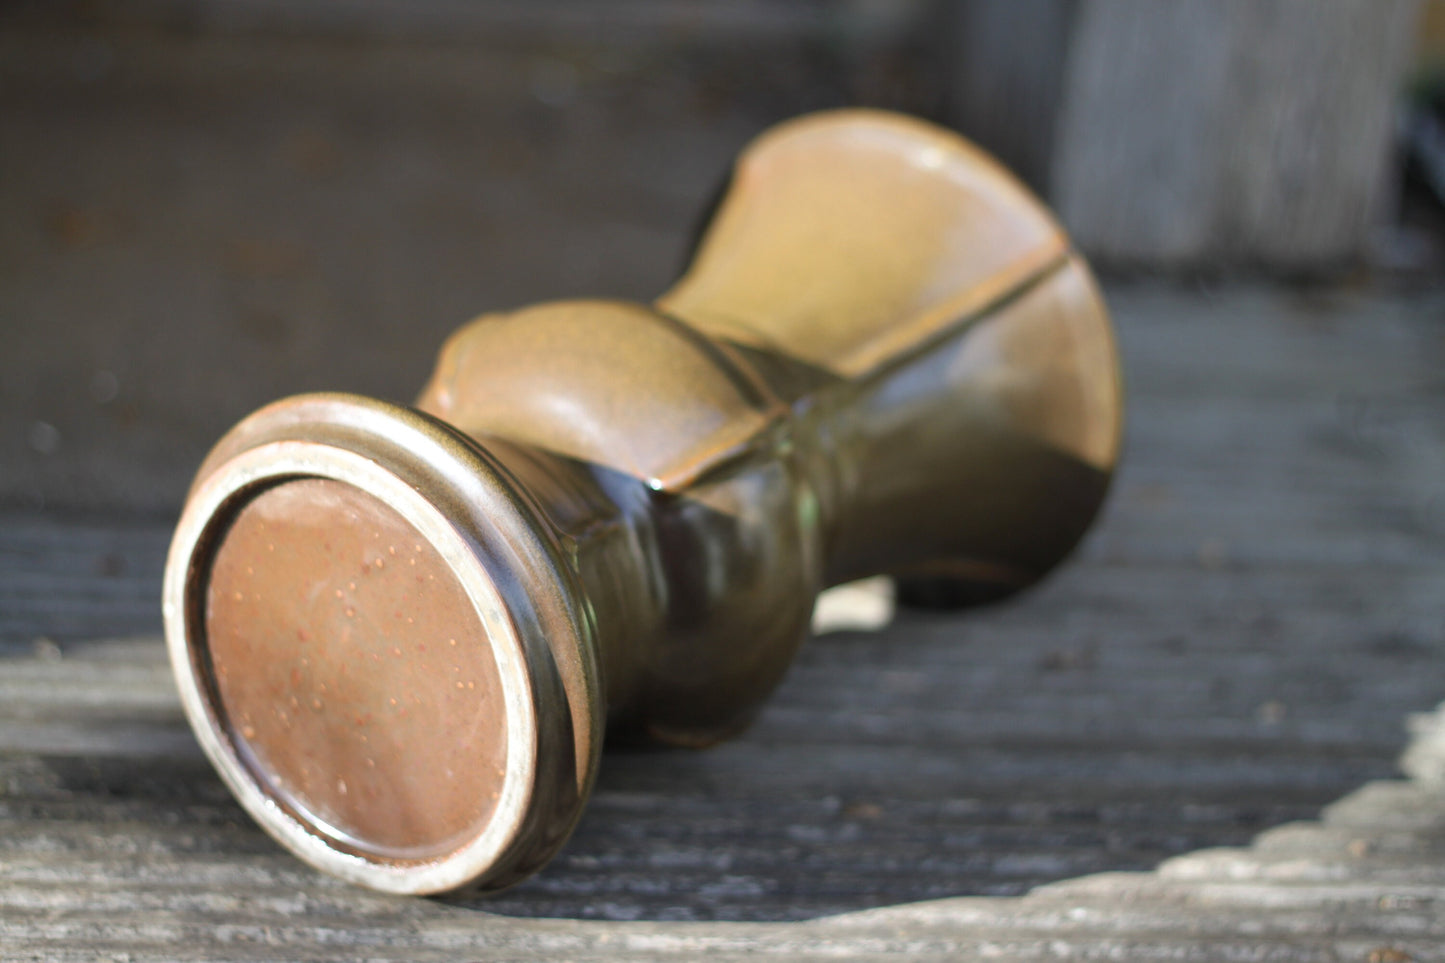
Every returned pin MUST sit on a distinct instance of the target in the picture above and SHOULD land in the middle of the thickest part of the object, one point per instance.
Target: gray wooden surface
(1238, 646)
(1229, 131)
(1197, 132)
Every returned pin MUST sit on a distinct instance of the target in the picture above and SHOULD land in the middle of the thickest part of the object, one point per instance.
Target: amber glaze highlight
(400, 633)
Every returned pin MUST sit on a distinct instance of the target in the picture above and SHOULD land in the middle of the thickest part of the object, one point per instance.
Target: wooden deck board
(1238, 646)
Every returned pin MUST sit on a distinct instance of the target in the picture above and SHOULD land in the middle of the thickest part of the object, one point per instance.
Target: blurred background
(208, 204)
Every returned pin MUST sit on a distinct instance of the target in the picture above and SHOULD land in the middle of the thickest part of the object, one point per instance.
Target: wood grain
(1239, 645)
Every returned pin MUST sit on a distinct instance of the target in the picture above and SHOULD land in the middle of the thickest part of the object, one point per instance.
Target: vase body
(883, 359)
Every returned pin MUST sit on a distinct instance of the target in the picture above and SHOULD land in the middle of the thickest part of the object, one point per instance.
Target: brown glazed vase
(399, 632)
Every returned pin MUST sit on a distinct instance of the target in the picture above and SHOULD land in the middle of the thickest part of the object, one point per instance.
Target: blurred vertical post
(1192, 133)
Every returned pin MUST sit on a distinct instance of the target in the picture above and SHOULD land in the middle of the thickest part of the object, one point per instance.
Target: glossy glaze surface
(884, 358)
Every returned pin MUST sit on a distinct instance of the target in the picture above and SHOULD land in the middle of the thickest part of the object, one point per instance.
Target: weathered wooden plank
(1235, 647)
(1192, 133)
(1204, 131)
